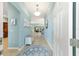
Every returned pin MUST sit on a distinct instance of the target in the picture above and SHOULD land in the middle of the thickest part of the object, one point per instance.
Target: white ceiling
(43, 7)
(29, 7)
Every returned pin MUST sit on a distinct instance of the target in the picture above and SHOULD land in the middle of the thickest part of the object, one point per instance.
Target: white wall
(60, 20)
(1, 15)
(77, 26)
(5, 9)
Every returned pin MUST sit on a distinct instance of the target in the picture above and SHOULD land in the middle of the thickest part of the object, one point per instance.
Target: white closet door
(1, 24)
(1, 18)
(61, 29)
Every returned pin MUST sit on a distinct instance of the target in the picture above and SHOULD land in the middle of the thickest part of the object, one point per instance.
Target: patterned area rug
(35, 50)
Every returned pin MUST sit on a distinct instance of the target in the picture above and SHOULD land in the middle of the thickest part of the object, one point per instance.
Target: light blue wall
(48, 33)
(17, 32)
(13, 33)
(23, 31)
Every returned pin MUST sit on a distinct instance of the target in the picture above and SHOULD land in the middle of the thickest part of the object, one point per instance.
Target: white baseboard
(20, 48)
(12, 47)
(49, 44)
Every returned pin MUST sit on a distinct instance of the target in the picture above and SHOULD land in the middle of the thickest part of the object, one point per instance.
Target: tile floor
(36, 39)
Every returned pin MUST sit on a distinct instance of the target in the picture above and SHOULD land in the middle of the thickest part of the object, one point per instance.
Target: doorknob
(74, 42)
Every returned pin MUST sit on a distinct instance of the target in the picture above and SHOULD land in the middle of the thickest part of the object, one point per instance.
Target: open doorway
(5, 32)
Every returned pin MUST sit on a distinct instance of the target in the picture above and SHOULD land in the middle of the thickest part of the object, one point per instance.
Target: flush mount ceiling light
(37, 13)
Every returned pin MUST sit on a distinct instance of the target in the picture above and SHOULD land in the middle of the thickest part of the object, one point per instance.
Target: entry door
(74, 29)
(66, 27)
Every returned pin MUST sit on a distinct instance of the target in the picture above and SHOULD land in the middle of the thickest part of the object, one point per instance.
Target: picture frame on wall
(26, 23)
(46, 23)
(13, 21)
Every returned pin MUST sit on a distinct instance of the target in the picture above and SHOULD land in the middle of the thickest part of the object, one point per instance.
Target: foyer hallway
(37, 26)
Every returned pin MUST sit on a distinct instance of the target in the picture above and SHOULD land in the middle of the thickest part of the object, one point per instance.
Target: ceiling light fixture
(37, 13)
